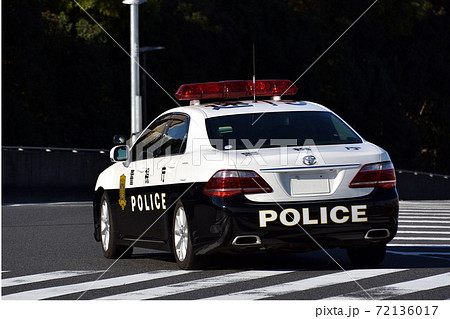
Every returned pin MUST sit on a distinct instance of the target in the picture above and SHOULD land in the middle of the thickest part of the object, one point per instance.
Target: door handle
(163, 174)
(171, 165)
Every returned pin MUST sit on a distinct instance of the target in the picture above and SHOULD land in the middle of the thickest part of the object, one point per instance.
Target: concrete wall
(36, 176)
(416, 185)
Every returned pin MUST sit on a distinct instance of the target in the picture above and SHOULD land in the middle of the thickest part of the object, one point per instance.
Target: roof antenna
(254, 76)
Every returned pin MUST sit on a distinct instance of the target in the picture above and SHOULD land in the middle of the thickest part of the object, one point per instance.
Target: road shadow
(331, 259)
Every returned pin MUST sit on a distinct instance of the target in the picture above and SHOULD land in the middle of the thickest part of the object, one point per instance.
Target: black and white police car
(244, 175)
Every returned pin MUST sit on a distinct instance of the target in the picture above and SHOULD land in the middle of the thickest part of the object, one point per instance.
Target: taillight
(227, 183)
(375, 175)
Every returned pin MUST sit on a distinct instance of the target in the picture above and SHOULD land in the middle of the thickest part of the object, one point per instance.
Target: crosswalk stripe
(383, 292)
(421, 211)
(423, 232)
(305, 284)
(195, 285)
(29, 279)
(418, 245)
(402, 288)
(424, 210)
(425, 203)
(423, 226)
(51, 292)
(423, 221)
(432, 218)
(416, 213)
(422, 238)
(426, 206)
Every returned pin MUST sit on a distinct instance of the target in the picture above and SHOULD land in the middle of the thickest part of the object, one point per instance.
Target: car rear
(302, 179)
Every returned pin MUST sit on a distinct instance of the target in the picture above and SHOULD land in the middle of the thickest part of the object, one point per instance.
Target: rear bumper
(237, 224)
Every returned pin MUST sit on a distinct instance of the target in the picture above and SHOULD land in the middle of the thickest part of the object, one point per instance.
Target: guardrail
(51, 149)
(416, 185)
(417, 173)
(36, 174)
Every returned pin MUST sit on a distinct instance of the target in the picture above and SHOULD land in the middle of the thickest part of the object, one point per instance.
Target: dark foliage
(66, 83)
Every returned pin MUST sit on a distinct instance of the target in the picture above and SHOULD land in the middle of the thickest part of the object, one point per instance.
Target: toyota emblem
(309, 160)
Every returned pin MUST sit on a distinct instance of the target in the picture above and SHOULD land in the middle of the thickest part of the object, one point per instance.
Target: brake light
(227, 183)
(235, 89)
(375, 175)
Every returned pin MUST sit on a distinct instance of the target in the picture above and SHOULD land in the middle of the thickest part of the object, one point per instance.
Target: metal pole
(134, 36)
(136, 108)
(144, 88)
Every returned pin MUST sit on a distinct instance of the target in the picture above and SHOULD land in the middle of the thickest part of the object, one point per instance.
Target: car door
(137, 215)
(154, 160)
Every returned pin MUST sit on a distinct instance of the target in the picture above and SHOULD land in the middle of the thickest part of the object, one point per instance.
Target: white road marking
(426, 218)
(421, 238)
(402, 288)
(423, 221)
(412, 215)
(425, 212)
(196, 285)
(425, 203)
(423, 226)
(29, 279)
(423, 232)
(305, 284)
(418, 245)
(422, 214)
(422, 211)
(91, 285)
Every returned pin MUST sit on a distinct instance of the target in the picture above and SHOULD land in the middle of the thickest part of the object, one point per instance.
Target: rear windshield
(263, 130)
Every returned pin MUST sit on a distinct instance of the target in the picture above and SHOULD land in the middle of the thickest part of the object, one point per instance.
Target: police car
(241, 174)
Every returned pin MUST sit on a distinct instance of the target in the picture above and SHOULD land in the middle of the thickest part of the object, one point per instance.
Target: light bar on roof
(235, 89)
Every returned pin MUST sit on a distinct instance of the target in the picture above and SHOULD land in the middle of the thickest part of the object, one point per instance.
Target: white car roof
(215, 109)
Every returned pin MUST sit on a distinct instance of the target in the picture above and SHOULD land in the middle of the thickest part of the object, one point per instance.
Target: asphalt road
(48, 252)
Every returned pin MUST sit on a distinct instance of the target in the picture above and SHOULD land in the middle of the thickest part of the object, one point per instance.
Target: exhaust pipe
(247, 240)
(380, 233)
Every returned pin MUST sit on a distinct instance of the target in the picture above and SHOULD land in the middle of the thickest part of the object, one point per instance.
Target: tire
(110, 248)
(182, 240)
(367, 256)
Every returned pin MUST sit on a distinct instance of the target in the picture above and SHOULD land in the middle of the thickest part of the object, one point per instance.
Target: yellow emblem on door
(122, 201)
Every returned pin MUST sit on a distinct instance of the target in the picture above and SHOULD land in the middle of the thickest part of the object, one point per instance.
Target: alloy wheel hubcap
(181, 234)
(105, 226)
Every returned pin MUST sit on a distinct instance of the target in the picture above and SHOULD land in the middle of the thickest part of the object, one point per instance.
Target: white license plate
(306, 184)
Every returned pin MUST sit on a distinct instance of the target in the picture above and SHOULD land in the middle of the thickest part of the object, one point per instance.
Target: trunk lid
(307, 172)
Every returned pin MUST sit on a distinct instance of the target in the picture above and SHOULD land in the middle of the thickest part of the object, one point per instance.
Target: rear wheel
(367, 256)
(181, 240)
(111, 249)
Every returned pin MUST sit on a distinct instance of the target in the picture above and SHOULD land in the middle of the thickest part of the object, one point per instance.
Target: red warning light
(235, 89)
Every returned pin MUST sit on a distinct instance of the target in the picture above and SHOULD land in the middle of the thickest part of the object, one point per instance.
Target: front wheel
(111, 249)
(182, 240)
(367, 256)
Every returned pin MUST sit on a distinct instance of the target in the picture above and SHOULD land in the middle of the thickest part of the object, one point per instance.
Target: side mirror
(119, 140)
(119, 153)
